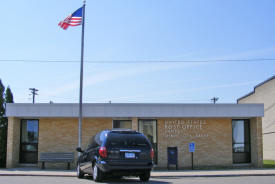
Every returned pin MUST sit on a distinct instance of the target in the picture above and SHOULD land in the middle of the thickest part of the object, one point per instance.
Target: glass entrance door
(149, 129)
(29, 141)
(241, 141)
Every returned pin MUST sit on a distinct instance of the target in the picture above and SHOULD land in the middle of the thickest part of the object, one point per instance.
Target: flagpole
(81, 78)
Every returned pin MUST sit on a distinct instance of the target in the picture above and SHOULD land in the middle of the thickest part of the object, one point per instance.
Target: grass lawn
(269, 163)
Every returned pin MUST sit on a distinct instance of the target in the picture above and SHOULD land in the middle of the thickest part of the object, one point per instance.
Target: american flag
(74, 19)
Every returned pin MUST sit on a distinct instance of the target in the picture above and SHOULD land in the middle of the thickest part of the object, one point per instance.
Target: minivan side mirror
(79, 150)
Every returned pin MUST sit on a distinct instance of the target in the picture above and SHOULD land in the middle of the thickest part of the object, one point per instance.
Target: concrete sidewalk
(154, 174)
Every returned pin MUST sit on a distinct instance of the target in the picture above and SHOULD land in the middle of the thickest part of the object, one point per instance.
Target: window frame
(156, 144)
(122, 119)
(21, 152)
(240, 157)
(246, 142)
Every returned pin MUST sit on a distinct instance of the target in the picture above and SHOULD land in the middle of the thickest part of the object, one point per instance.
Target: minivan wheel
(97, 174)
(80, 174)
(145, 176)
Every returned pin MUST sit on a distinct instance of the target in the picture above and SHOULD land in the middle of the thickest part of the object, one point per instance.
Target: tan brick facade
(13, 142)
(212, 136)
(256, 142)
(61, 135)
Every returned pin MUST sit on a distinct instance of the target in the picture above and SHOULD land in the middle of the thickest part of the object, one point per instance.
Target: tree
(2, 125)
(6, 97)
(2, 100)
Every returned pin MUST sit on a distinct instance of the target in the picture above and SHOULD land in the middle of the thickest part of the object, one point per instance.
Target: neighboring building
(265, 93)
(224, 134)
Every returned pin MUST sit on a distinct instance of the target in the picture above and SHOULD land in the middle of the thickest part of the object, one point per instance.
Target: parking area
(155, 180)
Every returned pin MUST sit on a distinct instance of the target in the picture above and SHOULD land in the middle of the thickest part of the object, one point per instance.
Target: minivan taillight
(152, 153)
(103, 152)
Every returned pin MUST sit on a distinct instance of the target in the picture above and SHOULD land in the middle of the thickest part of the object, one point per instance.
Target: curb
(209, 176)
(167, 176)
(46, 175)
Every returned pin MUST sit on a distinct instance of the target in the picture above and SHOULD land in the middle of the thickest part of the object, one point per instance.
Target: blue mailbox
(172, 156)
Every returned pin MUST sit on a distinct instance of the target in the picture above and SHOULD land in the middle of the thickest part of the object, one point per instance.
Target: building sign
(185, 128)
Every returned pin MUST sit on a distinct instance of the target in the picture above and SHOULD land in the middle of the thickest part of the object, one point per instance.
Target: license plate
(130, 155)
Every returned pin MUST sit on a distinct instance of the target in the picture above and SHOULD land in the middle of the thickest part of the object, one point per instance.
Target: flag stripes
(74, 19)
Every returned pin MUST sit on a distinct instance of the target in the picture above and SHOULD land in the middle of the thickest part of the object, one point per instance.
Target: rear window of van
(127, 140)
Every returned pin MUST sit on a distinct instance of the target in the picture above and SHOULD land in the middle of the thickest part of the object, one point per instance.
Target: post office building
(215, 135)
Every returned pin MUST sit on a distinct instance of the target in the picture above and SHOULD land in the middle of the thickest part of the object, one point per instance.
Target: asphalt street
(160, 180)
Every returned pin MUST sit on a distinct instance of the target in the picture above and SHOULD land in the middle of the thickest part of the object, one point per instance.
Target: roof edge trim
(258, 85)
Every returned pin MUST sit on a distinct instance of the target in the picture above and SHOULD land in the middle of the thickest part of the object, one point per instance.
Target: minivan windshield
(127, 140)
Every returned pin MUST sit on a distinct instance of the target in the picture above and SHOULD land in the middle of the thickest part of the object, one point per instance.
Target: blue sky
(138, 30)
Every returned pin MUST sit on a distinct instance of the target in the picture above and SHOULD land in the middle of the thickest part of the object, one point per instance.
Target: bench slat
(60, 157)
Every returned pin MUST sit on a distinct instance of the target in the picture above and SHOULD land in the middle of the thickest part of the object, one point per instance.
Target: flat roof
(141, 110)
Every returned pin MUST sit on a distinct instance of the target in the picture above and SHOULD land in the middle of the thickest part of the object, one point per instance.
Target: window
(29, 141)
(92, 143)
(127, 124)
(126, 140)
(149, 128)
(241, 141)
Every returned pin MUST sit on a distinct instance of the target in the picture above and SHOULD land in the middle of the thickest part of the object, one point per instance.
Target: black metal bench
(59, 157)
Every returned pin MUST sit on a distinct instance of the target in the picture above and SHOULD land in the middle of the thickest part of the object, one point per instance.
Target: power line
(141, 61)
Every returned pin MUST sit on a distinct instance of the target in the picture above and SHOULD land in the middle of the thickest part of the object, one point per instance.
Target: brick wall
(256, 142)
(212, 137)
(13, 142)
(61, 135)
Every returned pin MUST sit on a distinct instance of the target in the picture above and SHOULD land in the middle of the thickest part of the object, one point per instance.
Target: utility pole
(214, 99)
(33, 93)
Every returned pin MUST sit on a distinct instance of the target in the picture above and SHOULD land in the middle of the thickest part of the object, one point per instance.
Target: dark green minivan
(116, 153)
